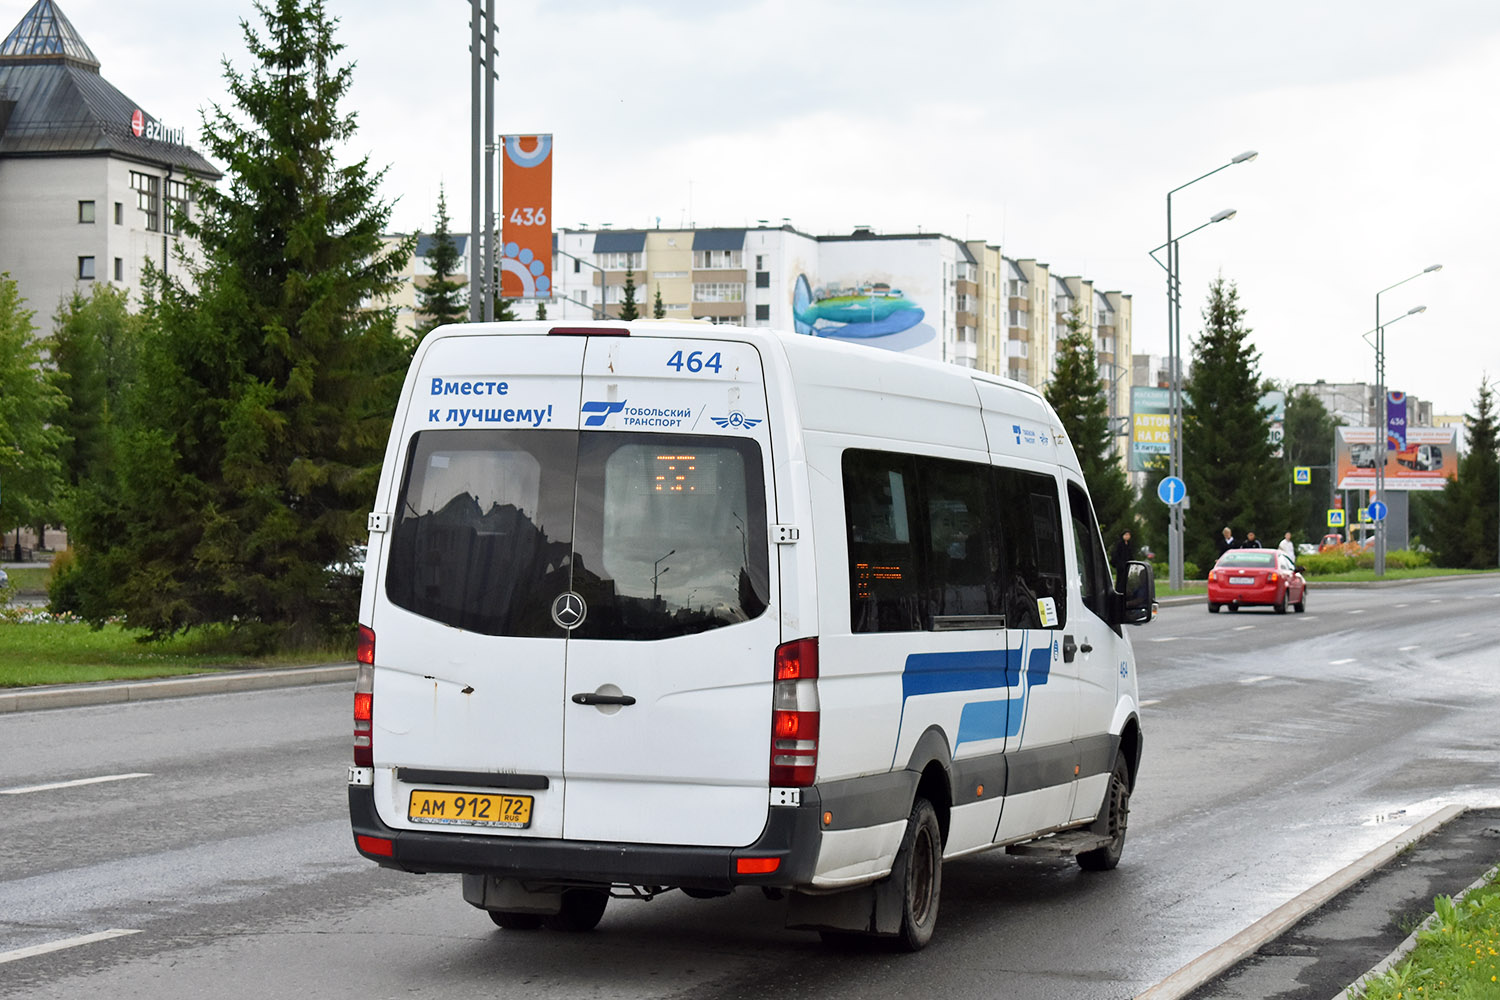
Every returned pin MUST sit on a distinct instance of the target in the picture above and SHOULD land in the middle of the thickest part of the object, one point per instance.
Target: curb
(1222, 957)
(1356, 988)
(114, 692)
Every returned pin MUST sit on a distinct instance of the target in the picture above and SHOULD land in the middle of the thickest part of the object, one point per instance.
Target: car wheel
(511, 921)
(1213, 608)
(582, 909)
(1301, 605)
(1114, 818)
(1234, 607)
(919, 867)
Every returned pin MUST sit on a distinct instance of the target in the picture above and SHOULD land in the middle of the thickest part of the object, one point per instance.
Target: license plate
(1242, 579)
(469, 809)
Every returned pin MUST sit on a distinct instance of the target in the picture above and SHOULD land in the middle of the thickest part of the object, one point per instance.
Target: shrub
(63, 585)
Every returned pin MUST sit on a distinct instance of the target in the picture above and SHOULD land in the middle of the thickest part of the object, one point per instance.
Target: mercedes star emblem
(568, 610)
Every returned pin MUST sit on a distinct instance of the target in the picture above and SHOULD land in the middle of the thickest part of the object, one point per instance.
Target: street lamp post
(1381, 442)
(1174, 351)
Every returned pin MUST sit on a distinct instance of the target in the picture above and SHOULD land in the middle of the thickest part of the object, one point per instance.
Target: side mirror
(1139, 605)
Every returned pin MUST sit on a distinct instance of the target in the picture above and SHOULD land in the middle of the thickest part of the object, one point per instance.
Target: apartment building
(90, 183)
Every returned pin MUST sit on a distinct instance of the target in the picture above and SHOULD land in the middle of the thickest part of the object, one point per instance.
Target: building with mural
(89, 180)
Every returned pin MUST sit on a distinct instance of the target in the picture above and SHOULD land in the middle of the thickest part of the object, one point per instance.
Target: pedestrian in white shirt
(1286, 547)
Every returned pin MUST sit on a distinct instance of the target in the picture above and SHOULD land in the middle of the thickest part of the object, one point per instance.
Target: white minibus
(653, 606)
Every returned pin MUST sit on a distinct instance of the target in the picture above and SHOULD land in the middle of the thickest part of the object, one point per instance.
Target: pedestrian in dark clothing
(1120, 557)
(1227, 542)
(1250, 542)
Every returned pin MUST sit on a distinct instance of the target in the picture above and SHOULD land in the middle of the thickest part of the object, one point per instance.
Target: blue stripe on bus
(979, 670)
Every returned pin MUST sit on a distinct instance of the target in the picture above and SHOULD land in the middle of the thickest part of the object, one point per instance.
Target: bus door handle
(594, 698)
(1069, 648)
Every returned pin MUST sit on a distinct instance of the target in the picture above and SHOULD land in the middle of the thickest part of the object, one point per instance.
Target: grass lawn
(1457, 953)
(29, 579)
(70, 652)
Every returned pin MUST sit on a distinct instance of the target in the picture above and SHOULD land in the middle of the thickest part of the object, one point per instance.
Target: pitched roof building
(88, 180)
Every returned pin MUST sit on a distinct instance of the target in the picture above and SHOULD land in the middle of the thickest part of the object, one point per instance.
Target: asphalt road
(1278, 750)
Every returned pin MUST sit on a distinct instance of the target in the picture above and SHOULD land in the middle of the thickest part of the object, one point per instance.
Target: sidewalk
(113, 692)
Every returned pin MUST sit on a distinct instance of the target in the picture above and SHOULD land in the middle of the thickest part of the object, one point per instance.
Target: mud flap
(867, 909)
(492, 892)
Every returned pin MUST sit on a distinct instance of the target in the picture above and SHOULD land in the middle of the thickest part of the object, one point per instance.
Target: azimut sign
(146, 128)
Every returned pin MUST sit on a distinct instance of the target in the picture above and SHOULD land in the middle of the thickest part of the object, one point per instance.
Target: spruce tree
(1462, 520)
(30, 405)
(658, 310)
(266, 388)
(628, 310)
(1233, 477)
(440, 298)
(1080, 398)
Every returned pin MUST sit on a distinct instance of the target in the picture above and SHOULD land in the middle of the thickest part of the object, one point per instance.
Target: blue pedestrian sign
(1302, 475)
(1378, 511)
(1171, 490)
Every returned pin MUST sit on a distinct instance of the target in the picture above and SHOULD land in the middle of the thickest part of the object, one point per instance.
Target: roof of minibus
(792, 342)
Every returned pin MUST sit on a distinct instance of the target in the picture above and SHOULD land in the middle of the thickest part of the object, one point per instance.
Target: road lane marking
(72, 942)
(1463, 635)
(1398, 605)
(72, 784)
(1340, 663)
(1436, 600)
(1406, 649)
(1241, 628)
(1357, 611)
(1255, 680)
(1150, 701)
(1167, 638)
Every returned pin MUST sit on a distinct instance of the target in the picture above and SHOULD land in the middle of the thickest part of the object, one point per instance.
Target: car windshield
(1249, 558)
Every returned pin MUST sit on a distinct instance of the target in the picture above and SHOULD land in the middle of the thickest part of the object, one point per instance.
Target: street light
(1382, 445)
(1174, 353)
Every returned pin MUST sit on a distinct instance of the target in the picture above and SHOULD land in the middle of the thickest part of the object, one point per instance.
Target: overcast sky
(1052, 129)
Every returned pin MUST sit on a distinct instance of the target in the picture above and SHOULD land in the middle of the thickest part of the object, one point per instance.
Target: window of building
(119, 268)
(718, 291)
(709, 260)
(119, 213)
(760, 261)
(85, 269)
(763, 314)
(86, 211)
(577, 265)
(147, 188)
(762, 279)
(177, 203)
(621, 261)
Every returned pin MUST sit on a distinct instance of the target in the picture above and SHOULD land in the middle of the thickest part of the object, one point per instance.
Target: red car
(1256, 576)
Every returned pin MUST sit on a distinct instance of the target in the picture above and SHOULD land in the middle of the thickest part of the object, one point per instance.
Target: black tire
(1234, 608)
(919, 871)
(1280, 605)
(511, 921)
(1213, 608)
(582, 909)
(1113, 820)
(1301, 605)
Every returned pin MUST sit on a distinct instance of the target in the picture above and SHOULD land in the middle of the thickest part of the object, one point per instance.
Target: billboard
(882, 293)
(1427, 459)
(526, 213)
(1150, 426)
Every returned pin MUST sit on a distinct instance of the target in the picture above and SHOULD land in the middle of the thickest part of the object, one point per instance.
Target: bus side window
(1030, 519)
(885, 575)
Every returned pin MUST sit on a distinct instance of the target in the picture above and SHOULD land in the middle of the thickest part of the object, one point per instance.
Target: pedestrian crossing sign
(1302, 475)
(1335, 518)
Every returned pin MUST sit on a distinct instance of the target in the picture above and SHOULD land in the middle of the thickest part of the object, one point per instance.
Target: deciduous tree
(30, 404)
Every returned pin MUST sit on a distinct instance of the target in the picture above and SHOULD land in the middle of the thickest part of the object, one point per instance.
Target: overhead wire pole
(1174, 346)
(1382, 420)
(491, 258)
(476, 258)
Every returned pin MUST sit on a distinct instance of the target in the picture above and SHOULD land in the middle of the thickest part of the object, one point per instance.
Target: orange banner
(526, 214)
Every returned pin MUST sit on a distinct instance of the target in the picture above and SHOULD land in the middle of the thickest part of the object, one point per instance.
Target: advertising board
(1150, 427)
(1427, 460)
